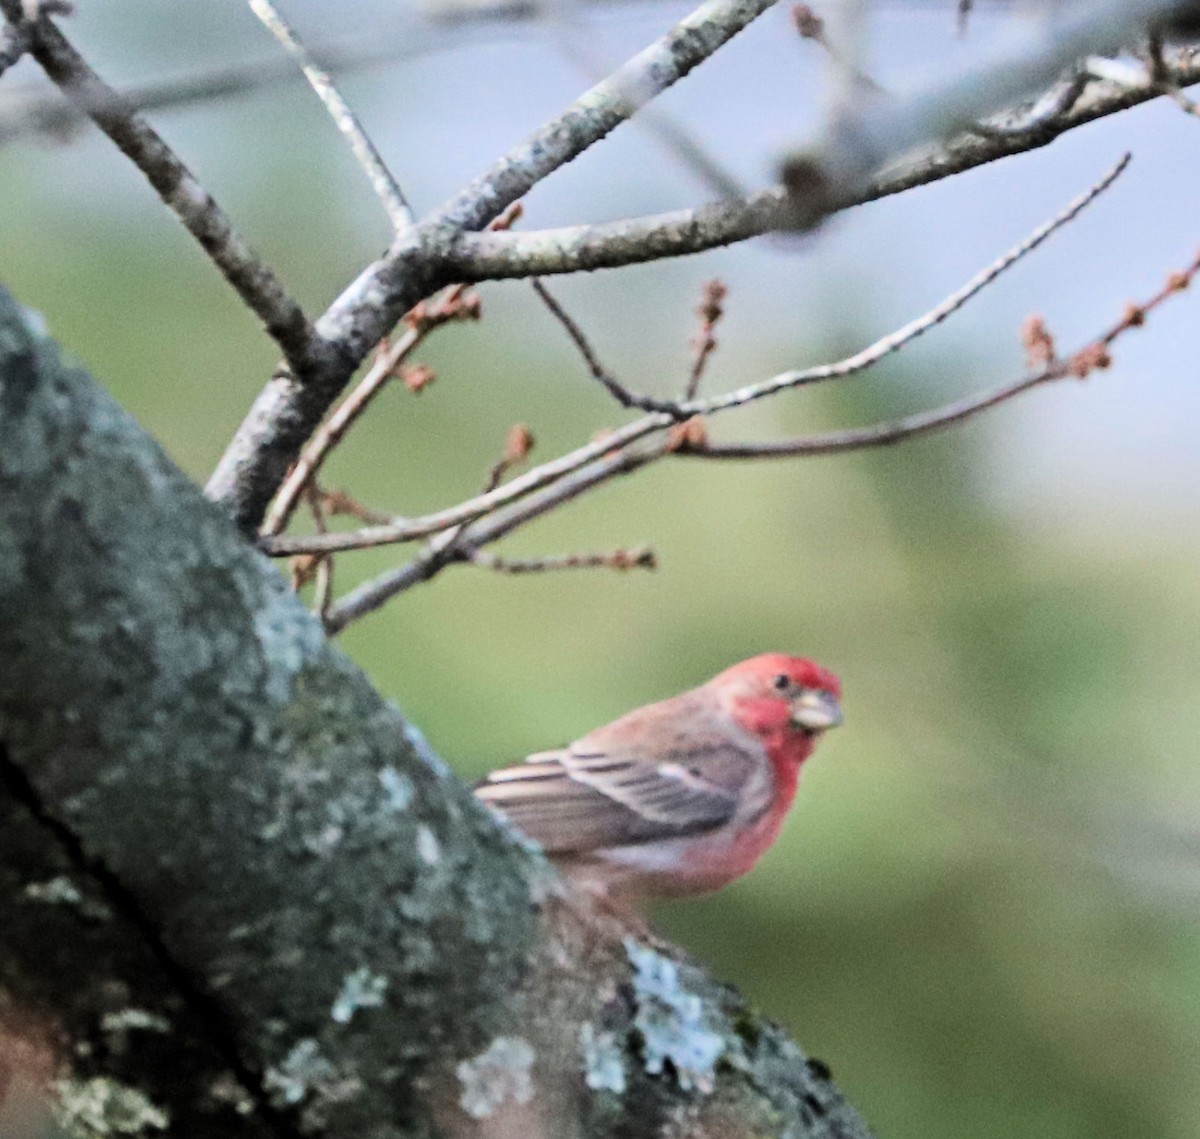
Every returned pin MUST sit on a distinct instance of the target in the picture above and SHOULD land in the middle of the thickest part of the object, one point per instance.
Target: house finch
(679, 797)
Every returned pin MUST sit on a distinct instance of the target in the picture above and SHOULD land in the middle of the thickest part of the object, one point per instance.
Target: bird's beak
(815, 711)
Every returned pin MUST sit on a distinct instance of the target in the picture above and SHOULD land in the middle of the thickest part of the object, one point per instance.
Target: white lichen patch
(302, 1071)
(325, 840)
(57, 891)
(397, 789)
(360, 989)
(292, 638)
(129, 1019)
(603, 1060)
(119, 1026)
(428, 848)
(226, 1089)
(100, 1108)
(671, 1022)
(501, 1074)
(61, 891)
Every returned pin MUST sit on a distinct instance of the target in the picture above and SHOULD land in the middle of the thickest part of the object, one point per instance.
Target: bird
(680, 797)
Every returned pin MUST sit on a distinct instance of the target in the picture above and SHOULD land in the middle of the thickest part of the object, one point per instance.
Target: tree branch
(203, 218)
(865, 134)
(671, 412)
(570, 249)
(14, 43)
(386, 188)
(389, 358)
(290, 408)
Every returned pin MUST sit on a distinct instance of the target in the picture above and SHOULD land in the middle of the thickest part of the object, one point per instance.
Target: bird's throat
(787, 745)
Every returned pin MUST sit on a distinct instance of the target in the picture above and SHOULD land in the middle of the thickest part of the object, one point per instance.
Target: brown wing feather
(600, 792)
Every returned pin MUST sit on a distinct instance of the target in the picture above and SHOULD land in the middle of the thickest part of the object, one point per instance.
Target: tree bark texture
(239, 896)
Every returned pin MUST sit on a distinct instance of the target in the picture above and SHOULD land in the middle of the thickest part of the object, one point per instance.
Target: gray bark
(240, 894)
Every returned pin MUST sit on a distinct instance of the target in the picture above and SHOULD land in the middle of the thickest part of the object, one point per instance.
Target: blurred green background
(983, 914)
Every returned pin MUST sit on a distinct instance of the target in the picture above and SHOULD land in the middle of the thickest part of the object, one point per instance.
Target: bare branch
(896, 340)
(875, 435)
(810, 26)
(1092, 356)
(570, 249)
(14, 43)
(388, 360)
(611, 384)
(291, 406)
(324, 592)
(455, 546)
(640, 557)
(710, 312)
(1053, 105)
(575, 40)
(446, 549)
(39, 109)
(386, 188)
(867, 134)
(597, 112)
(409, 529)
(254, 282)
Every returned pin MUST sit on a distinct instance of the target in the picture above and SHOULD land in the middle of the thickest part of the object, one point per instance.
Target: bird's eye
(783, 682)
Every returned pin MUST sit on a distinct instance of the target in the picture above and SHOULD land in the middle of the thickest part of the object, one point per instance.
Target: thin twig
(329, 434)
(865, 135)
(599, 111)
(1160, 76)
(409, 529)
(574, 41)
(710, 312)
(254, 282)
(517, 446)
(323, 596)
(640, 557)
(386, 188)
(875, 435)
(444, 550)
(1080, 364)
(1042, 114)
(894, 341)
(963, 16)
(611, 384)
(287, 412)
(811, 26)
(454, 304)
(447, 549)
(866, 358)
(40, 109)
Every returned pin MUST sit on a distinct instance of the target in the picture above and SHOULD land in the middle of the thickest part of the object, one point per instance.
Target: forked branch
(624, 439)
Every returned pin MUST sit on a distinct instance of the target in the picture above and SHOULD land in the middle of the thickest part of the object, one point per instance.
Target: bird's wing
(603, 790)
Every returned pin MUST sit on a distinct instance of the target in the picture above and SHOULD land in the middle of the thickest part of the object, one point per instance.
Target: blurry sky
(984, 913)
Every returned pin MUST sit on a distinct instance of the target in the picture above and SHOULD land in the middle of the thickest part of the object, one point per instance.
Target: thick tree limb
(677, 233)
(234, 849)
